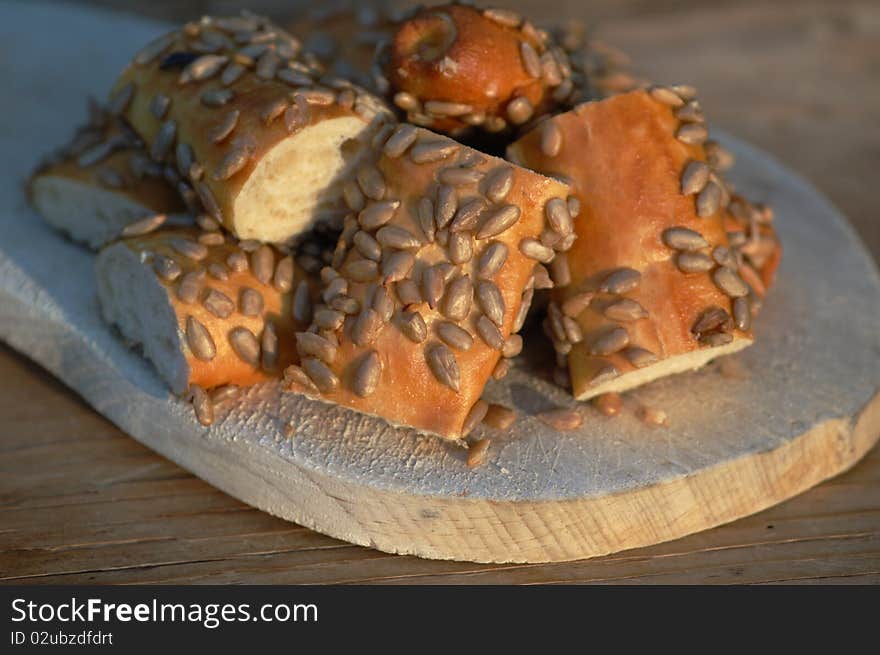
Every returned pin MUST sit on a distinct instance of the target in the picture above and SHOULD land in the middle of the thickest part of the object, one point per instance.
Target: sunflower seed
(498, 184)
(367, 246)
(413, 326)
(621, 280)
(682, 238)
(393, 236)
(425, 151)
(335, 286)
(263, 263)
(212, 239)
(610, 342)
(320, 375)
(159, 105)
(466, 217)
(604, 374)
(383, 303)
(367, 374)
(723, 257)
(458, 299)
(523, 311)
(551, 139)
(328, 319)
(432, 286)
(519, 110)
(397, 266)
(666, 96)
(237, 261)
(625, 309)
(562, 420)
(224, 393)
(447, 204)
(406, 101)
(376, 214)
(453, 335)
(231, 73)
(361, 270)
(694, 177)
(273, 110)
(234, 161)
(478, 453)
(718, 157)
(199, 340)
(269, 347)
(491, 301)
(690, 113)
(245, 345)
(513, 346)
(190, 249)
(166, 268)
(267, 65)
(293, 78)
(693, 134)
(497, 220)
(742, 314)
(693, 262)
(202, 68)
(715, 339)
(534, 249)
(709, 200)
(250, 302)
(163, 140)
(577, 303)
(309, 344)
(639, 357)
(443, 108)
(283, 278)
(224, 128)
(345, 304)
(729, 282)
(217, 97)
(302, 303)
(608, 404)
(153, 49)
(400, 141)
(490, 333)
(556, 210)
(372, 182)
(218, 303)
(461, 247)
(530, 60)
(457, 176)
(652, 416)
(502, 368)
(560, 273)
(202, 404)
(710, 319)
(367, 327)
(354, 197)
(443, 365)
(144, 226)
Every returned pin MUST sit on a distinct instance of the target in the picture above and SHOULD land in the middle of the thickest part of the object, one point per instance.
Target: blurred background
(798, 78)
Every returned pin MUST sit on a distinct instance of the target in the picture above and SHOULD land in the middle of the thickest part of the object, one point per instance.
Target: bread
(454, 67)
(205, 311)
(264, 140)
(626, 312)
(100, 182)
(430, 282)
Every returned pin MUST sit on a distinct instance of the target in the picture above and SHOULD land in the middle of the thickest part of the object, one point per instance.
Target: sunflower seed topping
(716, 339)
(309, 344)
(199, 340)
(153, 49)
(166, 268)
(729, 282)
(624, 310)
(490, 333)
(424, 151)
(666, 96)
(144, 226)
(250, 302)
(218, 303)
(621, 280)
(491, 301)
(245, 345)
(377, 214)
(393, 236)
(159, 105)
(560, 220)
(367, 327)
(534, 249)
(328, 319)
(237, 261)
(682, 238)
(530, 60)
(519, 110)
(710, 319)
(694, 177)
(397, 266)
(443, 365)
(709, 200)
(453, 335)
(217, 97)
(497, 220)
(513, 346)
(163, 140)
(320, 375)
(639, 357)
(742, 314)
(693, 262)
(523, 311)
(400, 141)
(361, 270)
(461, 247)
(221, 131)
(458, 299)
(604, 374)
(202, 68)
(432, 286)
(263, 263)
(231, 73)
(610, 342)
(367, 246)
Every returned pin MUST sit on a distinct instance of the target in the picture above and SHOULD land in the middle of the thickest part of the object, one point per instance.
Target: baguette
(100, 182)
(652, 285)
(264, 139)
(205, 310)
(430, 282)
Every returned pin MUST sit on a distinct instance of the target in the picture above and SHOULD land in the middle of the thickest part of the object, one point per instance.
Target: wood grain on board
(82, 502)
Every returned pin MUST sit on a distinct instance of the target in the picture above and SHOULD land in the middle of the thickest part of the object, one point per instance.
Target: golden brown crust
(423, 358)
(651, 210)
(455, 67)
(215, 97)
(260, 292)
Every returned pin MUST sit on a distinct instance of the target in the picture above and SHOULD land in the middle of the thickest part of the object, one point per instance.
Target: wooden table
(80, 502)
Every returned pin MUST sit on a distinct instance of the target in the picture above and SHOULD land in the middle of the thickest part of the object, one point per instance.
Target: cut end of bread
(88, 214)
(670, 366)
(133, 299)
(276, 204)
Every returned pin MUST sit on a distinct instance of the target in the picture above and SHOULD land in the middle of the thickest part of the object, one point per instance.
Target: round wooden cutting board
(803, 404)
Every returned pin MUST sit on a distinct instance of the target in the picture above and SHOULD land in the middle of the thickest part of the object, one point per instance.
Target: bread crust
(629, 165)
(421, 355)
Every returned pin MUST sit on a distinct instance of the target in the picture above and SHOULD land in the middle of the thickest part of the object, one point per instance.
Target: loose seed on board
(224, 128)
(562, 419)
(499, 417)
(269, 347)
(250, 302)
(309, 344)
(474, 417)
(608, 404)
(639, 357)
(729, 282)
(621, 280)
(625, 309)
(709, 200)
(742, 313)
(413, 326)
(320, 375)
(458, 299)
(693, 262)
(443, 365)
(199, 340)
(453, 335)
(144, 226)
(551, 139)
(376, 214)
(202, 405)
(218, 303)
(610, 342)
(478, 453)
(245, 345)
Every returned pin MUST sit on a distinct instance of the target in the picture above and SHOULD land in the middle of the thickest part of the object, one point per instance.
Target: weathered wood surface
(65, 516)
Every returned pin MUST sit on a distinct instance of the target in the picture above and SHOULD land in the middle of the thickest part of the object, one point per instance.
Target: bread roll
(651, 285)
(264, 139)
(430, 282)
(100, 182)
(453, 67)
(205, 310)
